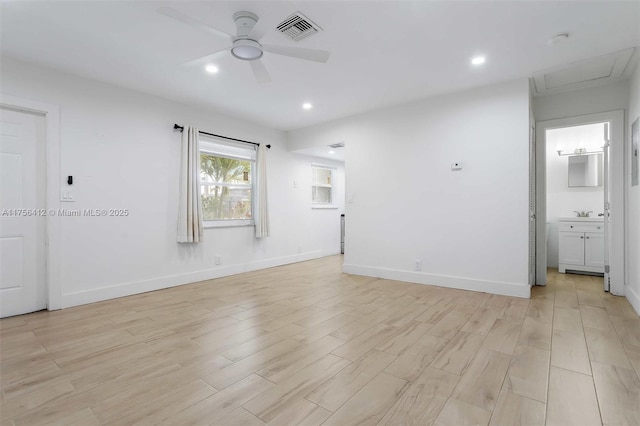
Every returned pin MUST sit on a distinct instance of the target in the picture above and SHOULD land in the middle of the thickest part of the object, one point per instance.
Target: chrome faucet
(582, 213)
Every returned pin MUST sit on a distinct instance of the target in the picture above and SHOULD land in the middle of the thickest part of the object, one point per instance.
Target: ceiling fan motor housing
(245, 21)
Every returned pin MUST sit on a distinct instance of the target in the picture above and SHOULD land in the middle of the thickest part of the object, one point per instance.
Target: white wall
(632, 290)
(563, 200)
(469, 227)
(120, 147)
(610, 97)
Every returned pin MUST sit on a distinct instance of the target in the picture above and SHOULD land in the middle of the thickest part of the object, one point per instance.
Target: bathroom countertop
(582, 219)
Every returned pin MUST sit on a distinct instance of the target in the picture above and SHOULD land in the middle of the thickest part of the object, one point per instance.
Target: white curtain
(262, 209)
(190, 203)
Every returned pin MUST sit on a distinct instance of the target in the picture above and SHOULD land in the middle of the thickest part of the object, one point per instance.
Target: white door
(532, 207)
(571, 248)
(22, 220)
(607, 208)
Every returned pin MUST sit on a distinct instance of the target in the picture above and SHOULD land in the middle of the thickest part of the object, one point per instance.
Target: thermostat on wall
(456, 166)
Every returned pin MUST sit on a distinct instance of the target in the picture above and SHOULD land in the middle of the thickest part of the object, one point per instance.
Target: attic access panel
(585, 73)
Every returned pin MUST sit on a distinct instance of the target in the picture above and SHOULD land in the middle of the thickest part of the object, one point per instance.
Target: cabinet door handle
(587, 238)
(571, 226)
(581, 237)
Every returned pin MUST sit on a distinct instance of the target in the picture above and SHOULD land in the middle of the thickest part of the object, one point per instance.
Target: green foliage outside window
(225, 188)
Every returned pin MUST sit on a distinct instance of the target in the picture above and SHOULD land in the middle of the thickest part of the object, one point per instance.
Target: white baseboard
(506, 289)
(143, 286)
(633, 297)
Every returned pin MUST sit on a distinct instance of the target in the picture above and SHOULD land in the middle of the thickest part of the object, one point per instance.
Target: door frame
(616, 196)
(532, 201)
(53, 283)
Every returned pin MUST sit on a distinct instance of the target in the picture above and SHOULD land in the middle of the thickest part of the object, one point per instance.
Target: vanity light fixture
(578, 151)
(478, 60)
(307, 105)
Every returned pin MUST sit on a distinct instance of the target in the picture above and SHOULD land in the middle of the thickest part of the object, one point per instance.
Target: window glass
(226, 182)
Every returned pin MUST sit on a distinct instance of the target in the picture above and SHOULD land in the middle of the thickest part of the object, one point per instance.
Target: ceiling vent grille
(337, 145)
(298, 26)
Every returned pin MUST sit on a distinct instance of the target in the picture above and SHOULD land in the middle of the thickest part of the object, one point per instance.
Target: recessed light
(478, 60)
(211, 69)
(332, 152)
(307, 105)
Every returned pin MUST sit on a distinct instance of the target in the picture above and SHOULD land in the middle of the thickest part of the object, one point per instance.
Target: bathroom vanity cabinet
(581, 244)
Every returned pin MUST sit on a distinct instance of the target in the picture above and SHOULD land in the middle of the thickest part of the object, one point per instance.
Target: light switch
(67, 195)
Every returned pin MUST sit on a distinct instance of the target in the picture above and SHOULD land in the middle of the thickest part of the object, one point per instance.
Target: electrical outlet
(218, 260)
(418, 265)
(456, 166)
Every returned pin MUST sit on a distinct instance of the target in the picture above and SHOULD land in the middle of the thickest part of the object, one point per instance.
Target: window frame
(333, 170)
(208, 148)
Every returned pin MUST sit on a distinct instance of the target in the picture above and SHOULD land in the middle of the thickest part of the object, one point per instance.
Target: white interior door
(22, 219)
(532, 206)
(607, 207)
(541, 204)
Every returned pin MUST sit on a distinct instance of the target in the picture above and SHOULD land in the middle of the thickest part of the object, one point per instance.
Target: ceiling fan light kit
(245, 46)
(246, 50)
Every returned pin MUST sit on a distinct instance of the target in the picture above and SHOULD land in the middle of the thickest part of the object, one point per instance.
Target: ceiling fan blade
(208, 58)
(298, 52)
(172, 13)
(260, 72)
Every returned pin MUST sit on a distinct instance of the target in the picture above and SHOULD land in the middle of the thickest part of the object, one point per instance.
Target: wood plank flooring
(306, 344)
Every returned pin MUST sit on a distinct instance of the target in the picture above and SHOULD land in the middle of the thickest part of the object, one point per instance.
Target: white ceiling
(382, 52)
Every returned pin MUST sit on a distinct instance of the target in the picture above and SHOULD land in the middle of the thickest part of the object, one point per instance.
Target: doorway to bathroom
(579, 198)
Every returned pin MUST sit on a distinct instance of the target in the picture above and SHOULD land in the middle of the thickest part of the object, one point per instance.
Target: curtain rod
(181, 128)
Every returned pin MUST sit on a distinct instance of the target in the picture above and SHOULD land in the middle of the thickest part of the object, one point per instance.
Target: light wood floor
(305, 344)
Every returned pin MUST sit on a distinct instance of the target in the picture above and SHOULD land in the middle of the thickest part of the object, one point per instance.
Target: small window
(322, 186)
(226, 183)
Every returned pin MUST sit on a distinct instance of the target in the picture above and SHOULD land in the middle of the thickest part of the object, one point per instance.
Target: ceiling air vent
(298, 26)
(337, 145)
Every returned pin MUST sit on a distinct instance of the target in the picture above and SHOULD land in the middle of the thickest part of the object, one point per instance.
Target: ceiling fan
(245, 45)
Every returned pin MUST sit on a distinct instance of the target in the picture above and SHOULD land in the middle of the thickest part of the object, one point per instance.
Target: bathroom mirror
(585, 170)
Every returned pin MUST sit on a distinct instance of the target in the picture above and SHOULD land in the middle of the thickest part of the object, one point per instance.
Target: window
(226, 183)
(322, 186)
